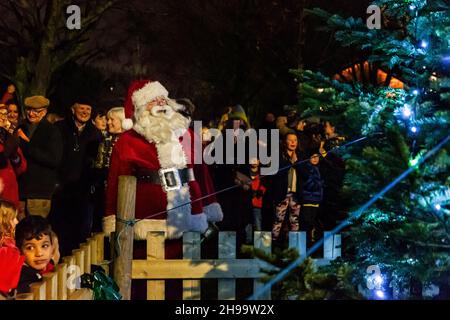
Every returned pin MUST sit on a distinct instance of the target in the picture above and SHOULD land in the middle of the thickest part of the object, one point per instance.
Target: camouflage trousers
(290, 207)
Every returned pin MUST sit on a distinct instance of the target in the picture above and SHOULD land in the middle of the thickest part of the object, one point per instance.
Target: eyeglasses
(35, 111)
(158, 101)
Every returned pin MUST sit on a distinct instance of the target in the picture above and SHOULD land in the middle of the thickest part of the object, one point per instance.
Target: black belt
(169, 179)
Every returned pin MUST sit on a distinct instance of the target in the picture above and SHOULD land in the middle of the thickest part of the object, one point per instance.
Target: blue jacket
(311, 184)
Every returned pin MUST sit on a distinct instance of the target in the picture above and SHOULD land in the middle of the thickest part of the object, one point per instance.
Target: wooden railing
(226, 268)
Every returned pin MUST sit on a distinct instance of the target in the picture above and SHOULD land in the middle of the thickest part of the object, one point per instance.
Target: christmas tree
(398, 97)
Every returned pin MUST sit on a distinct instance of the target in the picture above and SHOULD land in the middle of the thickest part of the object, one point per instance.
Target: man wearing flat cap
(43, 151)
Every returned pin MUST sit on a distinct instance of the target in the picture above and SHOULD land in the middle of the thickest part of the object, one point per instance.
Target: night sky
(216, 53)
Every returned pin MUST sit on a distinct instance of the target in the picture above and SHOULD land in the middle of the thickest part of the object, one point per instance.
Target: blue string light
(380, 294)
(406, 111)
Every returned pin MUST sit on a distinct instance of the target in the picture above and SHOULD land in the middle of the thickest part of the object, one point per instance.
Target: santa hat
(140, 93)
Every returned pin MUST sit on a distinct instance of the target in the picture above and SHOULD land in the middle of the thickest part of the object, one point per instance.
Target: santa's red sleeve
(118, 167)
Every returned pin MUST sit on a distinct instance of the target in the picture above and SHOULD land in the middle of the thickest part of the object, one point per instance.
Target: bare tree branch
(6, 76)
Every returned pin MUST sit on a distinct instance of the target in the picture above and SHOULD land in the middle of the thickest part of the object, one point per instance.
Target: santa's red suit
(137, 154)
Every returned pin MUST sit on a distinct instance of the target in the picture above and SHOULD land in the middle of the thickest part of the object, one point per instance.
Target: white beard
(160, 125)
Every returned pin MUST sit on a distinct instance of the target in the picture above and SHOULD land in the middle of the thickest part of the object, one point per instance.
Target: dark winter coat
(311, 183)
(28, 276)
(43, 154)
(79, 154)
(332, 168)
(71, 214)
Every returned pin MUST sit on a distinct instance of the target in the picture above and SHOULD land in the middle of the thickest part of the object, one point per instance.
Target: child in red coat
(258, 191)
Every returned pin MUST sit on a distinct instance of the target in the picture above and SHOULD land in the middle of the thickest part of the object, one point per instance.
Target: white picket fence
(226, 269)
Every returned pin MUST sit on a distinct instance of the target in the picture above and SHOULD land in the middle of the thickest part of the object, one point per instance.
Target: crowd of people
(54, 173)
(304, 194)
(54, 168)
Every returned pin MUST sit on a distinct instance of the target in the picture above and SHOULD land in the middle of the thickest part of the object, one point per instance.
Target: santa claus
(168, 183)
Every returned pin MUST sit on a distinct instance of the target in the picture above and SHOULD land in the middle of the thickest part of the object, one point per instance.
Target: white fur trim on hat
(175, 105)
(127, 124)
(213, 212)
(109, 224)
(198, 222)
(147, 93)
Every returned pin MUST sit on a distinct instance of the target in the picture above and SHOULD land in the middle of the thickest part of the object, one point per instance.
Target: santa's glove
(213, 212)
(210, 232)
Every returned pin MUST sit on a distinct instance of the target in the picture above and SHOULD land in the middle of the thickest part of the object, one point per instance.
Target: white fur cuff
(109, 224)
(198, 223)
(127, 124)
(213, 212)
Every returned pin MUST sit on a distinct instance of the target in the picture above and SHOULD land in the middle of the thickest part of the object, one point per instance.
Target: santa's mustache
(162, 111)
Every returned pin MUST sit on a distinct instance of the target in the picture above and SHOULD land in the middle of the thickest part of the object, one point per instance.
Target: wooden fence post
(191, 251)
(263, 241)
(100, 237)
(79, 259)
(38, 289)
(297, 240)
(331, 247)
(226, 288)
(155, 251)
(71, 279)
(61, 269)
(92, 242)
(85, 248)
(126, 203)
(51, 284)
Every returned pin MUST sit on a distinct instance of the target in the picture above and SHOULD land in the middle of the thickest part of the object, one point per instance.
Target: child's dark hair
(32, 227)
(99, 112)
